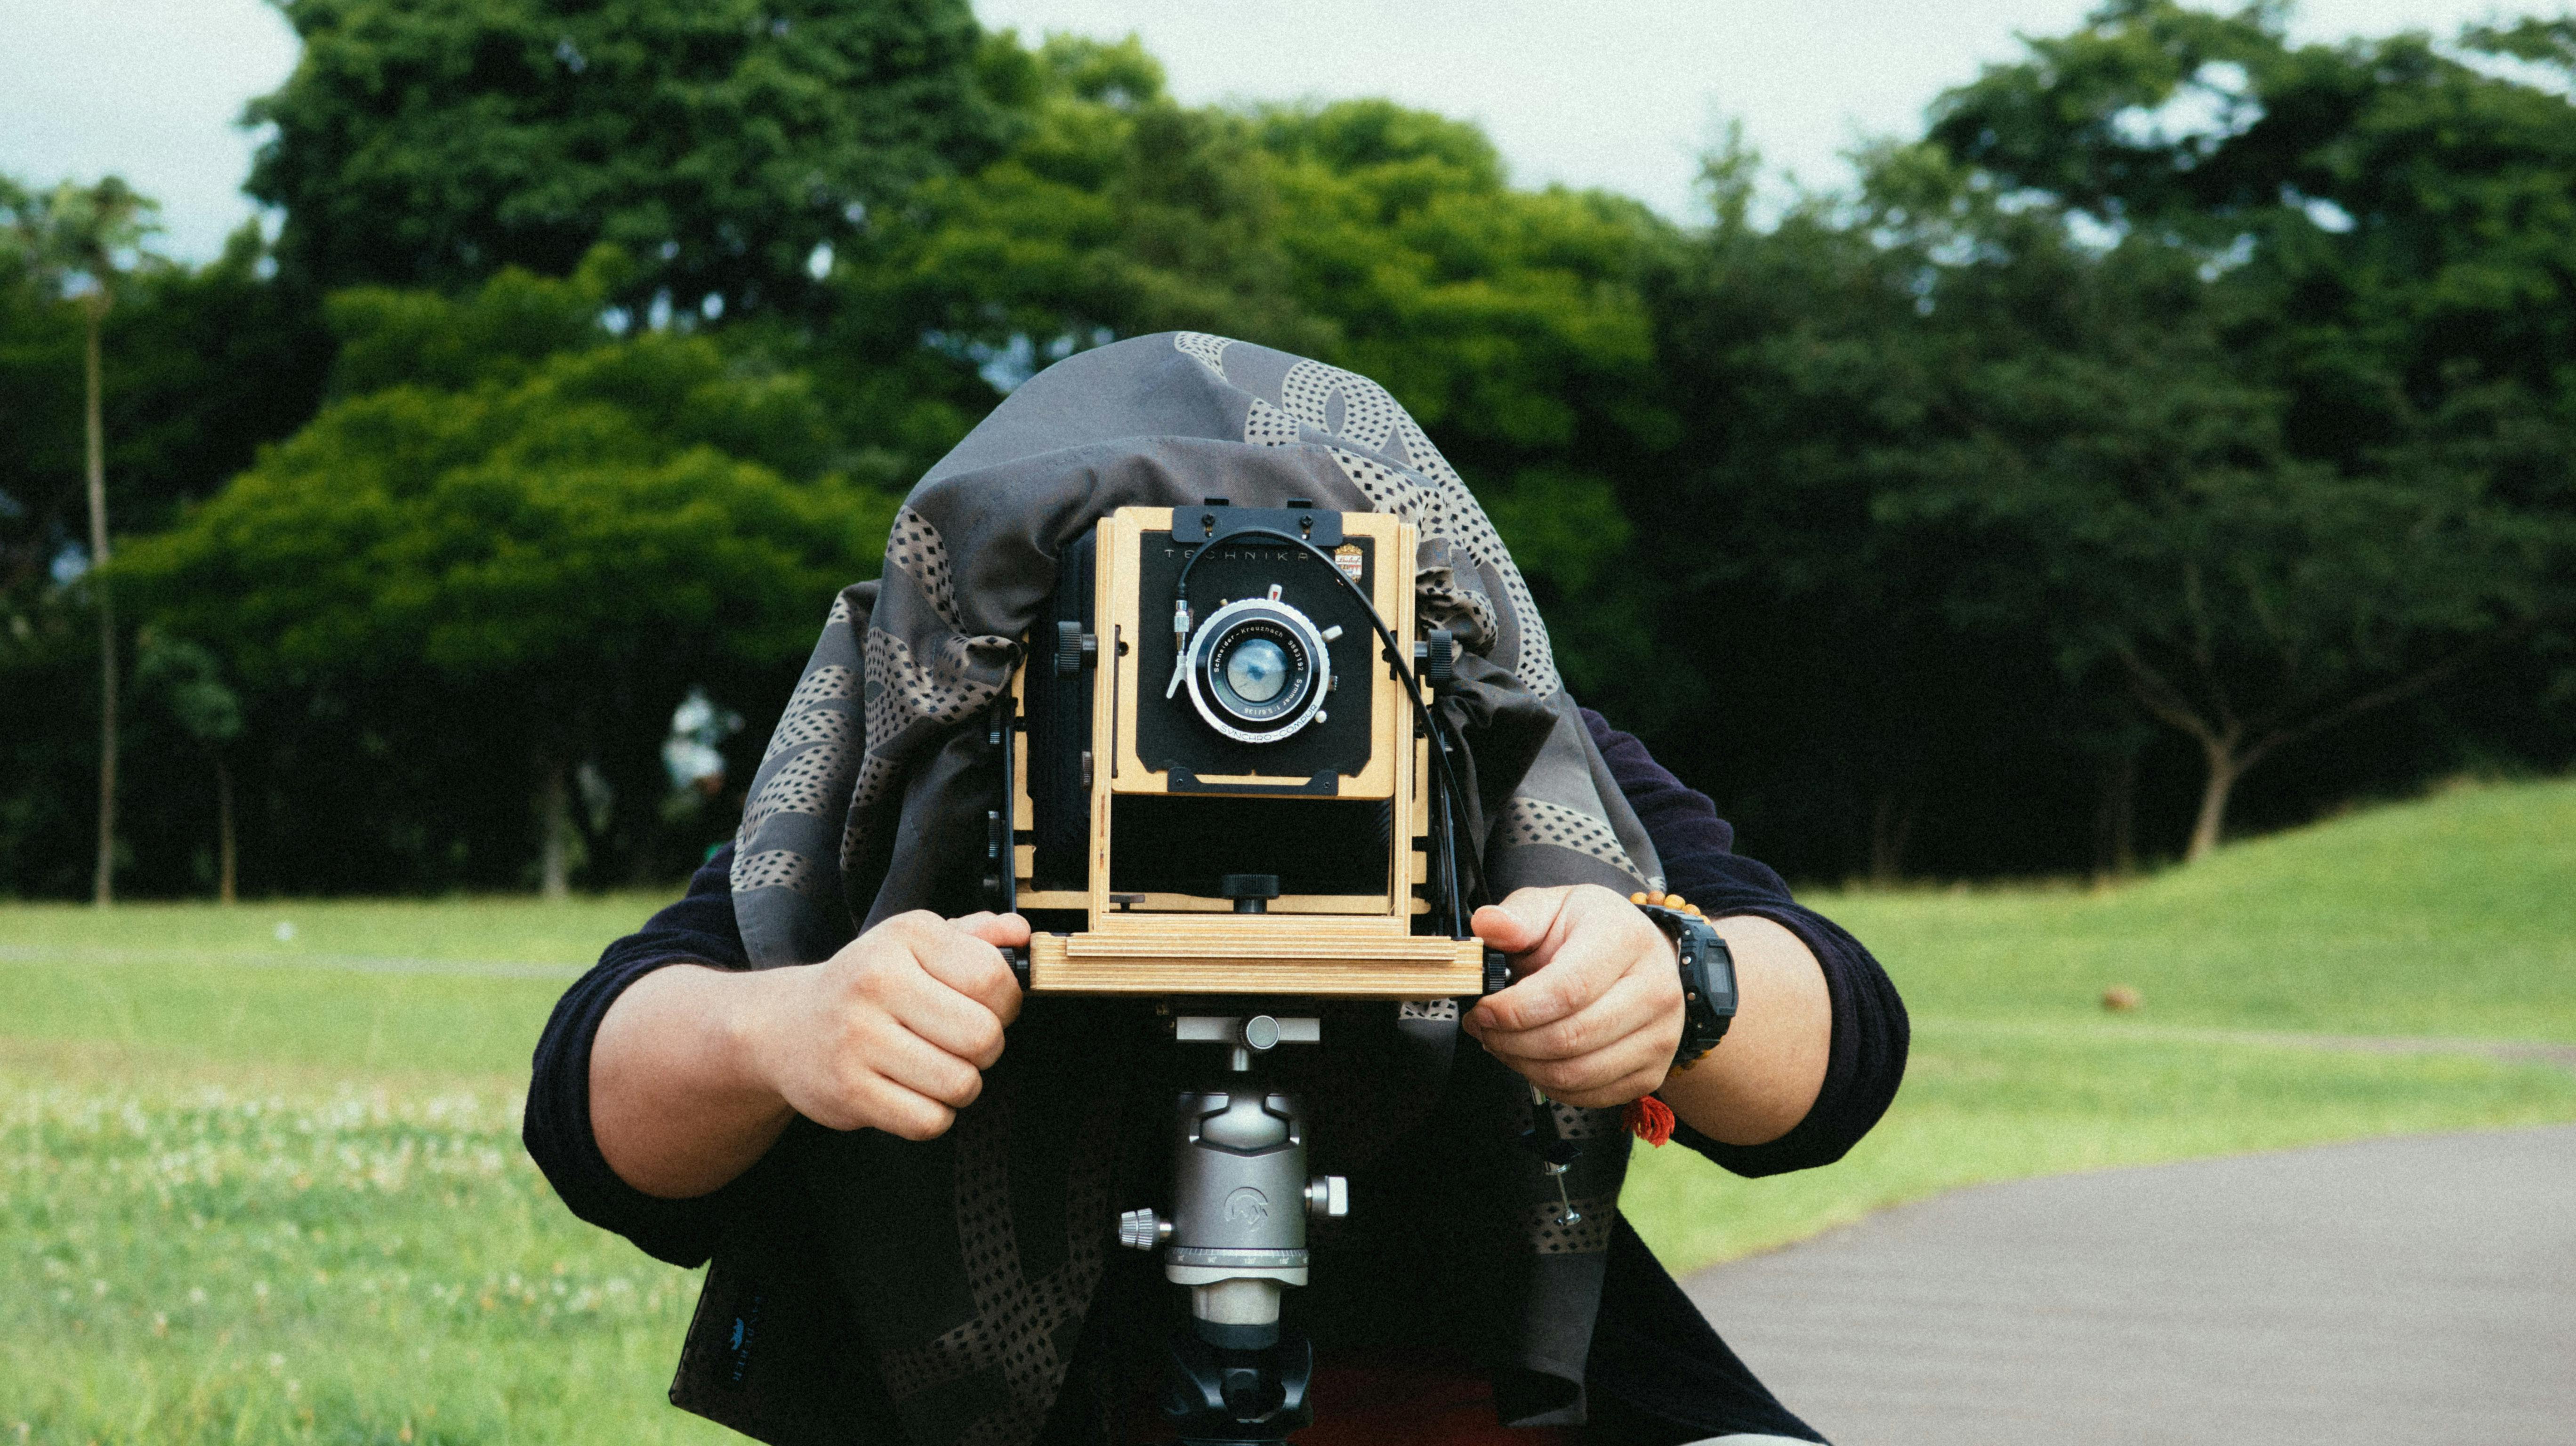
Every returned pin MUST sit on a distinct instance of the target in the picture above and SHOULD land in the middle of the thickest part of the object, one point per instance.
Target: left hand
(1595, 1011)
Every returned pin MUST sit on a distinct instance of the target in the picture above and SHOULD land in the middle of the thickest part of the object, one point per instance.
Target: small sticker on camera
(1347, 558)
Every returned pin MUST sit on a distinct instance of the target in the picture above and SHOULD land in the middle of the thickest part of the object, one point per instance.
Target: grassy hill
(2454, 915)
(2449, 917)
(264, 1184)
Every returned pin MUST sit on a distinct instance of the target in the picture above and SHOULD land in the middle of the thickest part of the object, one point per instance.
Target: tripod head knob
(1143, 1229)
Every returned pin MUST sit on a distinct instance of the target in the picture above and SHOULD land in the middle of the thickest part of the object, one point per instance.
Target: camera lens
(1257, 670)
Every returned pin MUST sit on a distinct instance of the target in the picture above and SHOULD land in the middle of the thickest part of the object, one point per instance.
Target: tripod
(1236, 1237)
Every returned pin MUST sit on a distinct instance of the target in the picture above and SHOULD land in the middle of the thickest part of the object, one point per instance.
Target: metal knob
(1328, 1197)
(1143, 1229)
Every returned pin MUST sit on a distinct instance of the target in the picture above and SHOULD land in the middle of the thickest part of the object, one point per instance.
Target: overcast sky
(1615, 93)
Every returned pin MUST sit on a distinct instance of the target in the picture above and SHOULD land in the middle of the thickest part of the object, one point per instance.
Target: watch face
(1715, 978)
(1708, 979)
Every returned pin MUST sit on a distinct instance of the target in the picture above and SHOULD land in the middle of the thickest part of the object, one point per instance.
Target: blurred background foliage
(2173, 439)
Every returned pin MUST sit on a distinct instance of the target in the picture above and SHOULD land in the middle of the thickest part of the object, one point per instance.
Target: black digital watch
(1707, 969)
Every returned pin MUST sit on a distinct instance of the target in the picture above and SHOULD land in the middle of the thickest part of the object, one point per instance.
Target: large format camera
(1236, 796)
(1230, 783)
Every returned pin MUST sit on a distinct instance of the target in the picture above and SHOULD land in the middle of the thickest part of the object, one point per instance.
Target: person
(816, 1070)
(670, 1068)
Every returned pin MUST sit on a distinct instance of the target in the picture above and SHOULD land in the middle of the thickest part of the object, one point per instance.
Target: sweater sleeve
(699, 929)
(1870, 1033)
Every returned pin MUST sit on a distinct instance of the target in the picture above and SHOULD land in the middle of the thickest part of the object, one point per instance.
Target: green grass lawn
(256, 1188)
(2455, 915)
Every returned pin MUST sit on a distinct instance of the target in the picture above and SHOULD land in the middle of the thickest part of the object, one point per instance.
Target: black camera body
(1223, 788)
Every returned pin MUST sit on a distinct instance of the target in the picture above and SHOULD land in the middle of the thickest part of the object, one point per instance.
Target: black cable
(1395, 657)
(1449, 874)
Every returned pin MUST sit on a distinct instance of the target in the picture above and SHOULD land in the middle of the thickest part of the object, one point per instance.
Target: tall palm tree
(79, 241)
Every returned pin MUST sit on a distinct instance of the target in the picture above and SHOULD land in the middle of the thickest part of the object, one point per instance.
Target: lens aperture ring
(1258, 670)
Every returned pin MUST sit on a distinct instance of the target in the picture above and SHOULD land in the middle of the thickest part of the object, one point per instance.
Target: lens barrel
(1258, 670)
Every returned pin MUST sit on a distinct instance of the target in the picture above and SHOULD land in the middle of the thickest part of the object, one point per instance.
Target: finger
(1504, 930)
(1520, 923)
(1579, 972)
(1002, 931)
(973, 967)
(906, 1114)
(906, 1059)
(1631, 1006)
(866, 1099)
(952, 1021)
(1585, 1079)
(1634, 995)
(1572, 1080)
(1631, 1086)
(1588, 939)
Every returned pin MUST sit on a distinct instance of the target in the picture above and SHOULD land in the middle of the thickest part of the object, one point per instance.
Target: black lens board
(1169, 732)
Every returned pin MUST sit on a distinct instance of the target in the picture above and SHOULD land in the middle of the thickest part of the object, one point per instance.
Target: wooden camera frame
(1092, 938)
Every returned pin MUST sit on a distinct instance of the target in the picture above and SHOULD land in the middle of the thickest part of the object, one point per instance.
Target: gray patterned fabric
(870, 751)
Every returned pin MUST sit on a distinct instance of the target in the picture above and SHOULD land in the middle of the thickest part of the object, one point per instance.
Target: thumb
(1516, 925)
(1002, 931)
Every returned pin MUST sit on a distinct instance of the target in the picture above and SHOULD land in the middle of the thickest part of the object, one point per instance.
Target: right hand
(893, 1033)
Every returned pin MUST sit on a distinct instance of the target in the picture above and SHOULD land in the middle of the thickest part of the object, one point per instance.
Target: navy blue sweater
(1653, 1353)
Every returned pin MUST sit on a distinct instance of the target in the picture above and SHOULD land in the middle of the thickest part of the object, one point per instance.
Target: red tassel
(1650, 1120)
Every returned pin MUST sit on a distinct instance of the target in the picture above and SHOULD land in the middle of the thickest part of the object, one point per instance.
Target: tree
(206, 364)
(2361, 484)
(1859, 722)
(516, 544)
(1362, 233)
(188, 683)
(79, 242)
(2118, 479)
(200, 366)
(725, 144)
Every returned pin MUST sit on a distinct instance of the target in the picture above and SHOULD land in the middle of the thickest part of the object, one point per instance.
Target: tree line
(2173, 438)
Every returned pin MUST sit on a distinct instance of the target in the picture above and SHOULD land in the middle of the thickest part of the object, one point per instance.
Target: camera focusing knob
(1075, 649)
(1434, 659)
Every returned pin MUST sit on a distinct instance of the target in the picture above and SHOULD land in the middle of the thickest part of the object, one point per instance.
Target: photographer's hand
(696, 1071)
(1595, 1013)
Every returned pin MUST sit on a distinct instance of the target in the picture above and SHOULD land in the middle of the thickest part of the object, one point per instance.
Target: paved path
(2413, 1292)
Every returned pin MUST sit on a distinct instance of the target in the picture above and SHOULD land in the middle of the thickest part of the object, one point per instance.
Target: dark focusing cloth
(1656, 1372)
(979, 1254)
